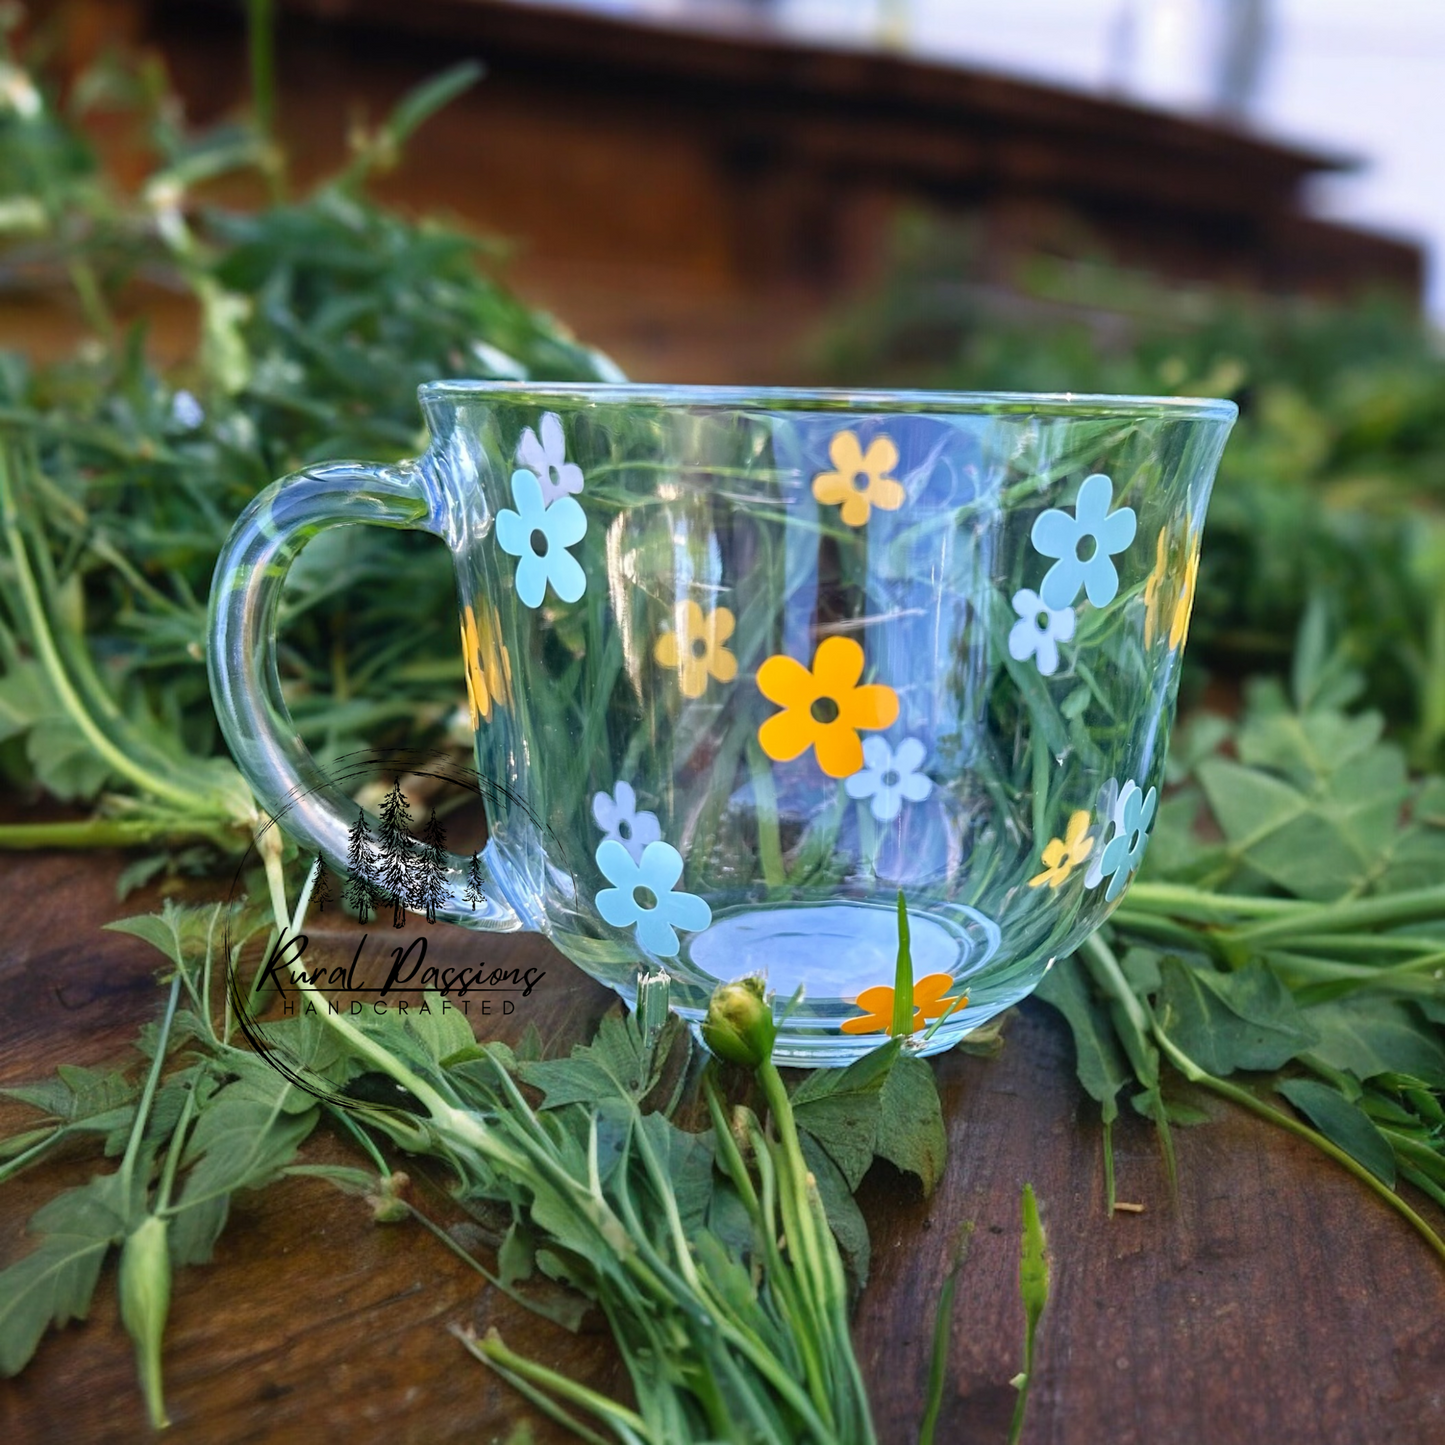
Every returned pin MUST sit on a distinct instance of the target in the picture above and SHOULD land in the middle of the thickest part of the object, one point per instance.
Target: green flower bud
(145, 1300)
(739, 1026)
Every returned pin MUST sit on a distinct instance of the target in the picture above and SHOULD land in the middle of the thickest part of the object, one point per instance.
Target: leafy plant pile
(1288, 936)
(710, 1250)
(318, 319)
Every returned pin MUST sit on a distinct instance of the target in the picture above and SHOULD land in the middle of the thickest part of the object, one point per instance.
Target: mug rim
(787, 398)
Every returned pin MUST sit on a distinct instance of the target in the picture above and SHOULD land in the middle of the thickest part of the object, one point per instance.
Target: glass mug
(746, 665)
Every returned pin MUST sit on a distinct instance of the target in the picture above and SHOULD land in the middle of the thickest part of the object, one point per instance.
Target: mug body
(748, 667)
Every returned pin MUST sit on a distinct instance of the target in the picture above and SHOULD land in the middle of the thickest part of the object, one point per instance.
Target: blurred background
(696, 185)
(224, 253)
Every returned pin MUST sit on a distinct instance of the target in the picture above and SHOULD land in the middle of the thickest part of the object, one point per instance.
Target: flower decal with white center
(547, 460)
(887, 777)
(642, 894)
(539, 536)
(616, 814)
(1039, 631)
(1126, 849)
(1084, 545)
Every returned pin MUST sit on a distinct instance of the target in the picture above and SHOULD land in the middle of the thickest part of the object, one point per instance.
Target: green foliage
(1329, 493)
(1304, 946)
(319, 318)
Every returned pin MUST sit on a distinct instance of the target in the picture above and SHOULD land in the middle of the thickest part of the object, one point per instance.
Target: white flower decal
(616, 814)
(1039, 631)
(547, 459)
(539, 535)
(888, 777)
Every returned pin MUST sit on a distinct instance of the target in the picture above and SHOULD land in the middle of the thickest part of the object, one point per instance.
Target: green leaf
(245, 1134)
(840, 1109)
(442, 1030)
(1097, 1060)
(845, 1219)
(1370, 1036)
(54, 1283)
(81, 1098)
(1342, 1123)
(1224, 1022)
(910, 1132)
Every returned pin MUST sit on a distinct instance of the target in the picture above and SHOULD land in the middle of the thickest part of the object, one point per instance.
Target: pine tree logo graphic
(398, 871)
(321, 886)
(431, 869)
(474, 897)
(362, 890)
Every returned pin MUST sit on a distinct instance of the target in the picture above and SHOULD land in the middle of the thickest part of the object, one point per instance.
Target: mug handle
(241, 655)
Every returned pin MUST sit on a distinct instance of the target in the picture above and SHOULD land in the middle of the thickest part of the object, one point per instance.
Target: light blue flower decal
(1039, 631)
(1084, 544)
(1106, 810)
(888, 777)
(616, 814)
(657, 873)
(1126, 850)
(539, 535)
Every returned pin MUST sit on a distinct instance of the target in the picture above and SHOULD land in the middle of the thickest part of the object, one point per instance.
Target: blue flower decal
(539, 535)
(1125, 852)
(657, 922)
(1084, 544)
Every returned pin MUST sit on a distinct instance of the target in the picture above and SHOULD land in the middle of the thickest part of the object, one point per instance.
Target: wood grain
(1276, 1301)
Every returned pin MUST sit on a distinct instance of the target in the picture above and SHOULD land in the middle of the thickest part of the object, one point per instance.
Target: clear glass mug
(743, 665)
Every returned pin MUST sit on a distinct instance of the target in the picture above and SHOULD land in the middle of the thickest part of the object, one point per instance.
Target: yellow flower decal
(1153, 590)
(823, 709)
(1155, 594)
(860, 480)
(929, 1002)
(695, 647)
(1063, 855)
(1184, 604)
(488, 668)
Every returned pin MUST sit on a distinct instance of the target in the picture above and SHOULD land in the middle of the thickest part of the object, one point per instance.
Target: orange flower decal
(1063, 855)
(488, 668)
(823, 709)
(695, 647)
(860, 480)
(929, 1002)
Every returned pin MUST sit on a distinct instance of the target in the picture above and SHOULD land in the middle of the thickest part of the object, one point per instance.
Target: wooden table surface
(1275, 1302)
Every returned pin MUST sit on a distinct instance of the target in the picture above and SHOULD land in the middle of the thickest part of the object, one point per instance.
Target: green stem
(1417, 905)
(111, 833)
(49, 655)
(143, 1108)
(1246, 1100)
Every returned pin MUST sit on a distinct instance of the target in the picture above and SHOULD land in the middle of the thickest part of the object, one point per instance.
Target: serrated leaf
(841, 1109)
(1342, 1123)
(1097, 1060)
(54, 1283)
(845, 1219)
(1224, 1022)
(910, 1134)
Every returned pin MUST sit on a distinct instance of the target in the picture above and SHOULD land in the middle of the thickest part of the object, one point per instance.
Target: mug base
(819, 959)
